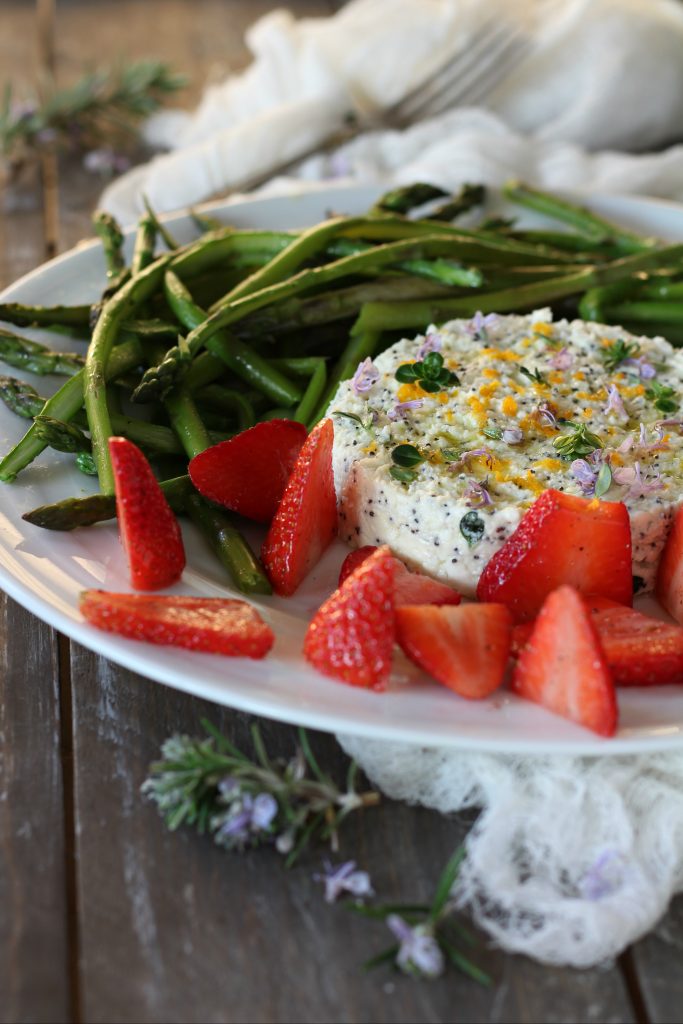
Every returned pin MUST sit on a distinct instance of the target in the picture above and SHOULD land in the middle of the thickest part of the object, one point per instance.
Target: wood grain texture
(33, 917)
(175, 929)
(657, 960)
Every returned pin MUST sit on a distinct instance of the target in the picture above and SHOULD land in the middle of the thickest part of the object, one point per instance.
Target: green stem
(230, 547)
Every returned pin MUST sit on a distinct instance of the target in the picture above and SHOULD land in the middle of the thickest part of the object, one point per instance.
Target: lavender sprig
(245, 802)
(427, 934)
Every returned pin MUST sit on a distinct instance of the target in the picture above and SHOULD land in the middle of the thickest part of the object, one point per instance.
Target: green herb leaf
(617, 352)
(662, 396)
(472, 528)
(495, 433)
(404, 476)
(445, 883)
(407, 373)
(533, 375)
(430, 374)
(578, 444)
(451, 454)
(365, 424)
(604, 480)
(406, 456)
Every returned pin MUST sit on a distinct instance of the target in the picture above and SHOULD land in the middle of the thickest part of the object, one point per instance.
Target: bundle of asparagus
(265, 324)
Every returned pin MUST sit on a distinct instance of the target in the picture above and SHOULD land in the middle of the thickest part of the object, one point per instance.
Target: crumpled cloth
(596, 75)
(571, 859)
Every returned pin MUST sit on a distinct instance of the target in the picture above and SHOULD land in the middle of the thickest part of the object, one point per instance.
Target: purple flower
(561, 360)
(419, 953)
(344, 878)
(432, 343)
(479, 324)
(585, 475)
(513, 435)
(547, 415)
(604, 877)
(401, 409)
(644, 369)
(246, 816)
(473, 453)
(476, 495)
(632, 478)
(615, 404)
(365, 377)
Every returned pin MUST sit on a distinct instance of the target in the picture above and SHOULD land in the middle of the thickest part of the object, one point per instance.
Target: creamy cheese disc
(580, 407)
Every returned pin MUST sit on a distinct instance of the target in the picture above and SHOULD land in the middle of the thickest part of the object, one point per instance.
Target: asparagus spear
(108, 230)
(407, 197)
(468, 197)
(71, 513)
(21, 398)
(159, 226)
(62, 436)
(45, 316)
(143, 250)
(230, 547)
(24, 354)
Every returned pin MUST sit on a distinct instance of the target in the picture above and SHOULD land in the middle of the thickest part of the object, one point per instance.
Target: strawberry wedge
(409, 587)
(669, 586)
(248, 474)
(351, 637)
(305, 522)
(563, 666)
(640, 651)
(465, 648)
(149, 530)
(562, 540)
(215, 625)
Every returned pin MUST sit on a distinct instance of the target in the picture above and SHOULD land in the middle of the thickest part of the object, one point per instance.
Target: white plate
(45, 571)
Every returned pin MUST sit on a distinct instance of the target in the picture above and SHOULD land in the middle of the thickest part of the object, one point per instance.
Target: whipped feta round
(443, 441)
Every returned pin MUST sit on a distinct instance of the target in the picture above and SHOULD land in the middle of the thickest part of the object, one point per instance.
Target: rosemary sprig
(244, 802)
(100, 108)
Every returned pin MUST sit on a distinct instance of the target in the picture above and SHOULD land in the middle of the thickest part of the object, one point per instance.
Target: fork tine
(493, 43)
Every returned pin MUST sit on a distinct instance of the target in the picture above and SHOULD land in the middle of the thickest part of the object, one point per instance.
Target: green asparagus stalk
(466, 199)
(24, 354)
(60, 435)
(145, 241)
(408, 197)
(160, 227)
(71, 513)
(229, 545)
(108, 230)
(21, 398)
(21, 315)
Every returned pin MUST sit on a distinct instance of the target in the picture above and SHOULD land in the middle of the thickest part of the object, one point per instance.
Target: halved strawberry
(563, 666)
(409, 587)
(562, 539)
(640, 651)
(213, 624)
(149, 530)
(465, 648)
(351, 636)
(306, 519)
(249, 473)
(669, 586)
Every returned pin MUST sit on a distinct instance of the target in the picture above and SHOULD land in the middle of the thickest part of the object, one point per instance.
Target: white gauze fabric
(571, 859)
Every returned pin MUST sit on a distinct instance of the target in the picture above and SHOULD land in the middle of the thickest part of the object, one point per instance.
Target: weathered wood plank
(656, 961)
(33, 922)
(175, 929)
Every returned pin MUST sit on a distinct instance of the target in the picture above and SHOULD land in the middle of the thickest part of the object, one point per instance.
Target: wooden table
(104, 914)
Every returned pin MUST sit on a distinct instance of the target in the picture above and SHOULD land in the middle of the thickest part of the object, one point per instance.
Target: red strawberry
(563, 666)
(249, 473)
(306, 519)
(640, 651)
(562, 539)
(409, 587)
(669, 587)
(148, 528)
(351, 636)
(465, 648)
(214, 624)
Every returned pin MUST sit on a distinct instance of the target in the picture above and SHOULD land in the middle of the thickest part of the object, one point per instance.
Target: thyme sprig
(245, 801)
(100, 108)
(430, 373)
(618, 352)
(577, 444)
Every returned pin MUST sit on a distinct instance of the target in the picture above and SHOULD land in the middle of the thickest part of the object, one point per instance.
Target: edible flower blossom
(473, 453)
(344, 878)
(401, 409)
(419, 953)
(513, 435)
(365, 377)
(246, 816)
(632, 478)
(476, 495)
(615, 404)
(561, 360)
(432, 343)
(585, 475)
(547, 415)
(645, 370)
(604, 877)
(479, 324)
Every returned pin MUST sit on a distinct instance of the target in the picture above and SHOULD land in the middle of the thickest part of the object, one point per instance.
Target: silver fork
(469, 76)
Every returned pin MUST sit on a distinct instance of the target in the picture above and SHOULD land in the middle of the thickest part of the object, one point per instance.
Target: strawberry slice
(306, 519)
(409, 587)
(465, 648)
(669, 586)
(640, 651)
(563, 666)
(249, 473)
(562, 539)
(214, 624)
(351, 637)
(149, 531)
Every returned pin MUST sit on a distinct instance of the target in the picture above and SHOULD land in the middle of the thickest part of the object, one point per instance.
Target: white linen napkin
(572, 858)
(601, 74)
